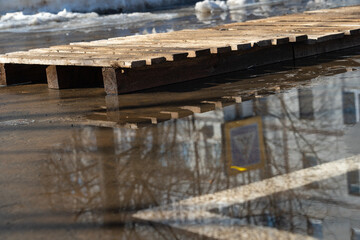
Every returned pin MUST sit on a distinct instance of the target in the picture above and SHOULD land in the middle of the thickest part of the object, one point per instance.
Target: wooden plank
(212, 39)
(137, 60)
(234, 43)
(308, 19)
(281, 29)
(324, 37)
(184, 51)
(237, 37)
(178, 52)
(3, 80)
(192, 51)
(311, 16)
(68, 60)
(347, 10)
(53, 79)
(110, 80)
(182, 41)
(317, 31)
(153, 56)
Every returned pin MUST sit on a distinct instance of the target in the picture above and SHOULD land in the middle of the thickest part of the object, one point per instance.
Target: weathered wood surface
(143, 61)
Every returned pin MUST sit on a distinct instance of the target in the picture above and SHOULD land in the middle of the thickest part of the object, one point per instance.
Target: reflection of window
(238, 111)
(269, 220)
(354, 182)
(358, 100)
(310, 161)
(306, 107)
(247, 109)
(355, 234)
(186, 153)
(232, 112)
(315, 228)
(207, 131)
(349, 107)
(261, 107)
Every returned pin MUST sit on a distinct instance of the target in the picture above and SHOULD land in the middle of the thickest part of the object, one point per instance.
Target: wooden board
(133, 63)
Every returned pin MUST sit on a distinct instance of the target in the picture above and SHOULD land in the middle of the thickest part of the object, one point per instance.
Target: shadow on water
(64, 173)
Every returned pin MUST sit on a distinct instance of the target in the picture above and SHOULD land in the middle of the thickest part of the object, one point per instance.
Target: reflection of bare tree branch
(105, 182)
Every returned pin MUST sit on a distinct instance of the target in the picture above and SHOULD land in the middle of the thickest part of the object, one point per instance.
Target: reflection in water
(354, 183)
(75, 180)
(163, 167)
(244, 144)
(285, 147)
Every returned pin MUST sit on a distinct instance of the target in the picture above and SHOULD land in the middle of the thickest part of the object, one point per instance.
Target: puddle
(265, 154)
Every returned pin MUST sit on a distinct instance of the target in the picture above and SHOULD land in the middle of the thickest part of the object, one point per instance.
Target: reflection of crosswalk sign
(244, 144)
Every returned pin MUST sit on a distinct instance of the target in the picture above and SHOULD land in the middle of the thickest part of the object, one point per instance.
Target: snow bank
(64, 20)
(209, 6)
(54, 6)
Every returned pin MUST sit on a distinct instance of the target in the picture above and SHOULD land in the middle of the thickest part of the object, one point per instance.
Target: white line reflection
(193, 214)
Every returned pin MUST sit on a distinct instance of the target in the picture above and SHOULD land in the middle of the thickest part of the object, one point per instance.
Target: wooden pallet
(126, 64)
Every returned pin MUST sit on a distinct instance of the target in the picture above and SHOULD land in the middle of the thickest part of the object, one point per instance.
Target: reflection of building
(185, 157)
(355, 234)
(351, 106)
(353, 179)
(304, 128)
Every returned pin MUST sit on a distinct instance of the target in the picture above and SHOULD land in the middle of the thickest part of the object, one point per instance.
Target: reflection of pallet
(142, 109)
(114, 115)
(132, 63)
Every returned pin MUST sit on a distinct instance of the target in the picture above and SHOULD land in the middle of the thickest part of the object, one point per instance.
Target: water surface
(75, 164)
